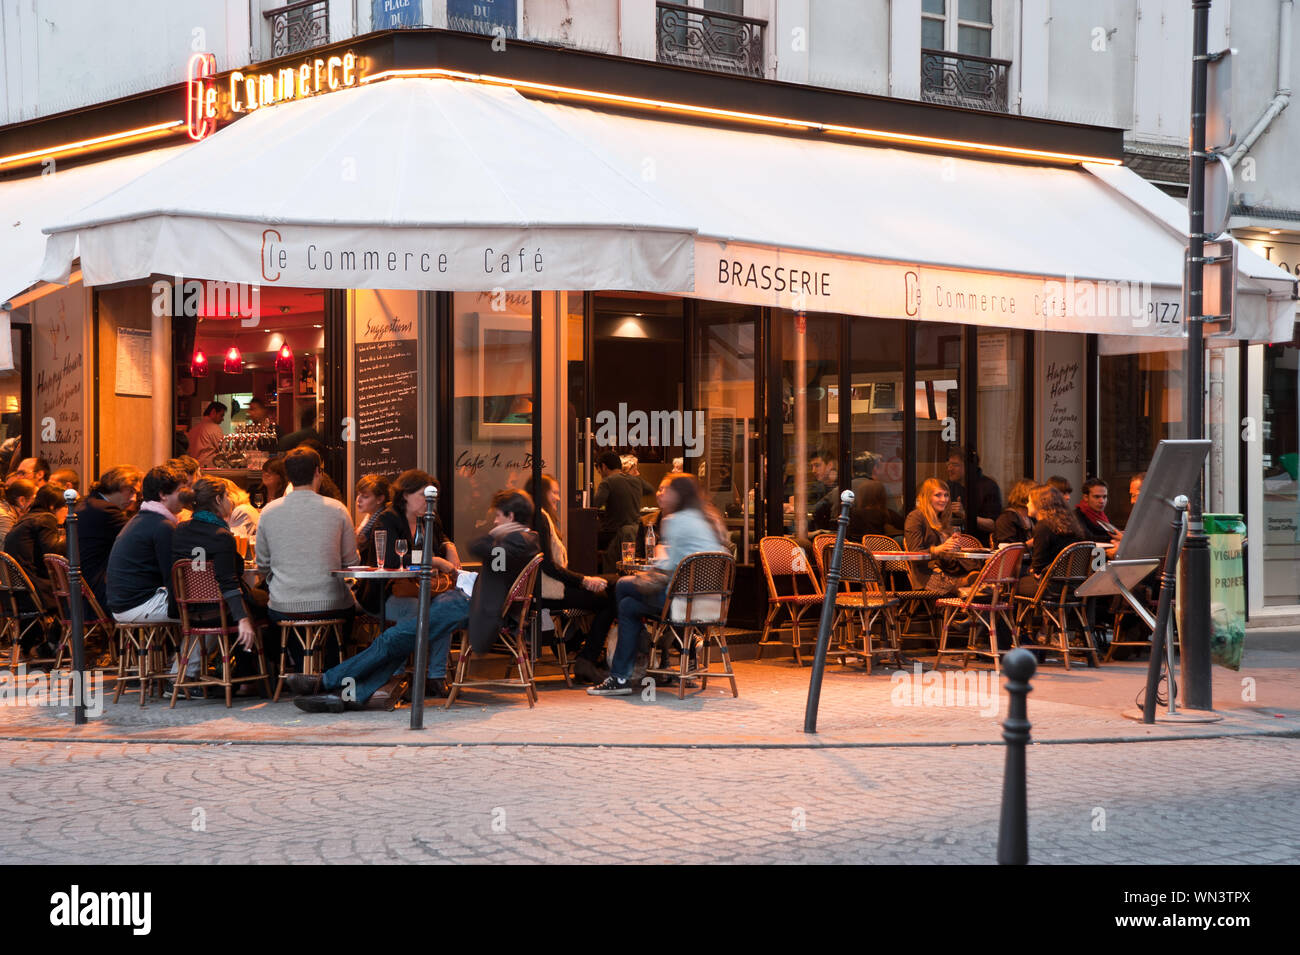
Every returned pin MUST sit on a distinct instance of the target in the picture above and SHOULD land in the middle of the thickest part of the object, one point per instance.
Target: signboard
(778, 278)
(1060, 404)
(134, 362)
(387, 377)
(394, 14)
(483, 16)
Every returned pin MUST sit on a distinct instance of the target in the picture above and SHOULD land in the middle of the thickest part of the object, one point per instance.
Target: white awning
(411, 183)
(28, 204)
(834, 226)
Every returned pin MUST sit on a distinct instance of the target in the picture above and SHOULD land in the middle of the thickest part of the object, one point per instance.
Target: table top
(378, 573)
(911, 555)
(632, 566)
(972, 554)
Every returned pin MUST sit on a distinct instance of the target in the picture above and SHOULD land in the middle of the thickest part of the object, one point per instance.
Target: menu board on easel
(387, 376)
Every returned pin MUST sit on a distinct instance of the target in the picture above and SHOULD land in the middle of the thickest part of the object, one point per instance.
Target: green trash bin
(1227, 533)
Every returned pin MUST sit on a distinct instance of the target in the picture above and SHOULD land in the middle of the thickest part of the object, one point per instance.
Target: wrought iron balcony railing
(298, 26)
(959, 79)
(709, 40)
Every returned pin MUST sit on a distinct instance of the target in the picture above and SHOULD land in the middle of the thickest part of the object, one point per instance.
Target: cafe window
(876, 393)
(810, 419)
(936, 396)
(1000, 418)
(1281, 449)
(13, 429)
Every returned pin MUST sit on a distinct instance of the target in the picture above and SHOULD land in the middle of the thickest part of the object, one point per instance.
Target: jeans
(632, 606)
(373, 667)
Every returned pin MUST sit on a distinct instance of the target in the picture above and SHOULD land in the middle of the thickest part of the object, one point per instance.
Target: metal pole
(1168, 576)
(75, 612)
(1195, 633)
(828, 615)
(422, 623)
(1013, 830)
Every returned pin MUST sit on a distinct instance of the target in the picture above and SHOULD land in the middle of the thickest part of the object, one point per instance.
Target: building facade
(778, 396)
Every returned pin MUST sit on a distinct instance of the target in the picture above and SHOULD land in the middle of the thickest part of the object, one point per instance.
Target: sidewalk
(882, 709)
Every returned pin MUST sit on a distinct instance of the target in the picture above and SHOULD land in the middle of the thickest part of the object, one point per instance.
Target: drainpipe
(1283, 95)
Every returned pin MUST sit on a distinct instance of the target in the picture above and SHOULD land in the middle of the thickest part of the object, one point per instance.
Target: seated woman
(244, 517)
(1013, 525)
(37, 533)
(563, 589)
(930, 528)
(207, 533)
(1055, 528)
(691, 524)
(372, 498)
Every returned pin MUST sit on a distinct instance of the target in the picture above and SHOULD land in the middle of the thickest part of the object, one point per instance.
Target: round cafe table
(627, 567)
(972, 554)
(384, 576)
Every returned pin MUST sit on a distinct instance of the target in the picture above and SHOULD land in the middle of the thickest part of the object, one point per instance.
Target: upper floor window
(298, 26)
(966, 29)
(710, 35)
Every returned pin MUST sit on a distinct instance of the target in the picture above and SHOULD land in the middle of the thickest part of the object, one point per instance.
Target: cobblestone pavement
(1196, 801)
(884, 708)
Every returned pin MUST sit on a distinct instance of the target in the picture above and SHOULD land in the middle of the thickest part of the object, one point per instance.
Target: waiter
(206, 435)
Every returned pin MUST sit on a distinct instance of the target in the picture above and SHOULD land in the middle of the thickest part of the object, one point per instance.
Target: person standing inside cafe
(206, 435)
(979, 500)
(619, 499)
(302, 538)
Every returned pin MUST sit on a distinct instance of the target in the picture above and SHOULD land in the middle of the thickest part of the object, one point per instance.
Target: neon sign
(252, 91)
(201, 96)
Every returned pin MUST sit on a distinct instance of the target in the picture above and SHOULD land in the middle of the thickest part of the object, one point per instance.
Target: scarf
(207, 517)
(157, 507)
(1097, 517)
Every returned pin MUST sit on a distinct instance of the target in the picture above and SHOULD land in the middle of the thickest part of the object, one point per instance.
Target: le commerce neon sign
(208, 100)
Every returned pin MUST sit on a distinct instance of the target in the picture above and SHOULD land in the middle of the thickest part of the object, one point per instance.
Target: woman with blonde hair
(930, 528)
(243, 519)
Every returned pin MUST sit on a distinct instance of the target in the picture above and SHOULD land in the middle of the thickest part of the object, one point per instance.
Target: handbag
(649, 581)
(410, 587)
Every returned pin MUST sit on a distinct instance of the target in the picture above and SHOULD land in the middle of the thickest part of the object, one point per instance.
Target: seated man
(505, 550)
(100, 518)
(140, 562)
(302, 538)
(1091, 513)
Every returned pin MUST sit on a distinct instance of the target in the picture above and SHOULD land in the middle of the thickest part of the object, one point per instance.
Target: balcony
(709, 40)
(959, 79)
(298, 26)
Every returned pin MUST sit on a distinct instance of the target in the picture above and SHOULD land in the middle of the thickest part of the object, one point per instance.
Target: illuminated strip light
(718, 113)
(42, 290)
(89, 145)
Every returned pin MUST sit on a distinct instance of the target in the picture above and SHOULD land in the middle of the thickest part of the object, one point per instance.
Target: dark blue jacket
(140, 561)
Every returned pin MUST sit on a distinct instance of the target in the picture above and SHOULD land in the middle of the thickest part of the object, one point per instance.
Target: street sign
(1218, 101)
(1218, 193)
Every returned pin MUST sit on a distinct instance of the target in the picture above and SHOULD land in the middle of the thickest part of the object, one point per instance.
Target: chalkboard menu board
(387, 370)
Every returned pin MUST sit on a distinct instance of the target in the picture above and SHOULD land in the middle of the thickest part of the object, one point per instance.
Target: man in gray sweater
(302, 538)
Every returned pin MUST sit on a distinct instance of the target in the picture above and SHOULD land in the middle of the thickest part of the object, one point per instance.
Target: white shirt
(205, 437)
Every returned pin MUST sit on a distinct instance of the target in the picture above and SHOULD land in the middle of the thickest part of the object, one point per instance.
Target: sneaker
(611, 686)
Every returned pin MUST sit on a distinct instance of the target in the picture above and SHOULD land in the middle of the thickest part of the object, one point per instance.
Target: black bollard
(422, 627)
(1168, 578)
(828, 616)
(1013, 831)
(78, 638)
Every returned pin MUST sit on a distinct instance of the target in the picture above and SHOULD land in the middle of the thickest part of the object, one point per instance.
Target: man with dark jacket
(980, 499)
(100, 518)
(140, 562)
(505, 550)
(37, 533)
(619, 498)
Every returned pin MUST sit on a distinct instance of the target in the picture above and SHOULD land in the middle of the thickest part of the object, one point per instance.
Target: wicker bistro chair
(1056, 607)
(864, 597)
(694, 615)
(312, 635)
(913, 604)
(15, 586)
(784, 562)
(95, 622)
(196, 590)
(986, 603)
(142, 655)
(967, 542)
(518, 612)
(564, 621)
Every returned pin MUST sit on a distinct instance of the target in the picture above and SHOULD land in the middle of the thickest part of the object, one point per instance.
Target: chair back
(998, 578)
(61, 579)
(1072, 566)
(519, 604)
(967, 542)
(194, 589)
(700, 592)
(853, 558)
(15, 583)
(879, 542)
(784, 562)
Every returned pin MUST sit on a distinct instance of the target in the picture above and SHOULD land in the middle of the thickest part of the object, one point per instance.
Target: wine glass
(401, 547)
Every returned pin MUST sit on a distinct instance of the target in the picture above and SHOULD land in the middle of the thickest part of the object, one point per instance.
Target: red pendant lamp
(234, 364)
(199, 364)
(284, 360)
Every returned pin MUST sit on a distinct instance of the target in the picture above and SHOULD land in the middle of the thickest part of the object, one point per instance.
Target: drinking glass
(381, 547)
(401, 546)
(241, 545)
(629, 551)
